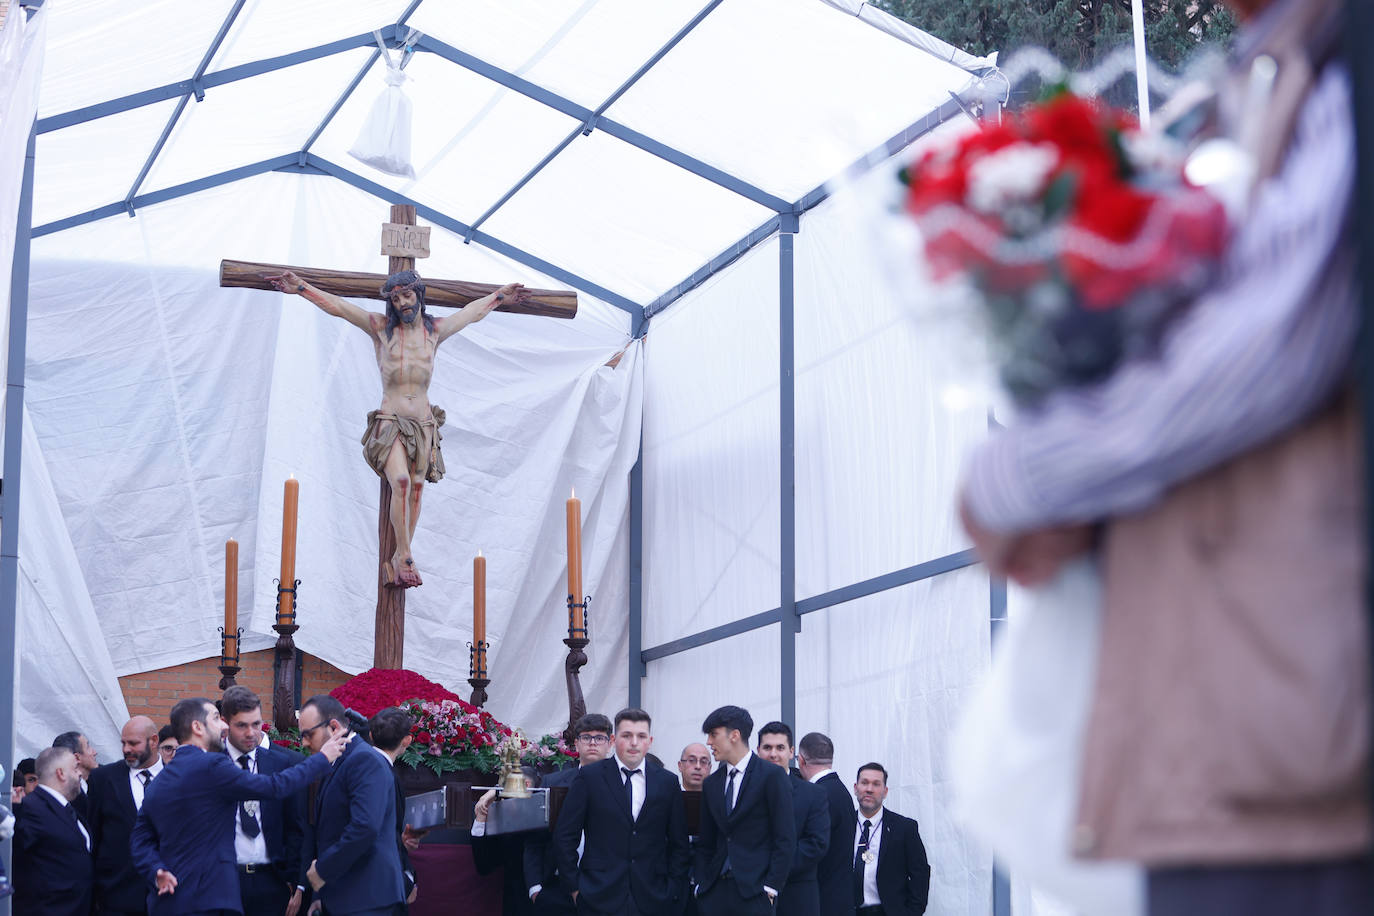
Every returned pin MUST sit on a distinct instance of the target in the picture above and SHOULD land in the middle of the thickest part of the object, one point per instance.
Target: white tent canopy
(675, 163)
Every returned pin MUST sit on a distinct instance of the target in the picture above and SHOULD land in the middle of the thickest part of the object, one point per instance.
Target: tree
(1077, 32)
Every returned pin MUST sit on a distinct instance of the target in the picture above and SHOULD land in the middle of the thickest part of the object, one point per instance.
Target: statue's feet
(401, 572)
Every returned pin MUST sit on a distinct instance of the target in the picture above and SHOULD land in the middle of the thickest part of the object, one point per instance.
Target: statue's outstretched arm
(330, 304)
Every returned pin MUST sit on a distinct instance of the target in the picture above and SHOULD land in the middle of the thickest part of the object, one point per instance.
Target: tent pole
(789, 623)
(636, 654)
(9, 483)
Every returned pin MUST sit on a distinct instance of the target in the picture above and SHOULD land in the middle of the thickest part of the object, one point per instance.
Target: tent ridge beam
(592, 120)
(606, 125)
(484, 239)
(207, 81)
(806, 202)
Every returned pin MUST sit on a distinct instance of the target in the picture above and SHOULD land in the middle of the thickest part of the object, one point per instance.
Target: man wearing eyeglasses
(593, 733)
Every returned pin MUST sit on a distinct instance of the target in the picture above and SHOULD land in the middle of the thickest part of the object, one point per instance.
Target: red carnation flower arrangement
(448, 733)
(1077, 230)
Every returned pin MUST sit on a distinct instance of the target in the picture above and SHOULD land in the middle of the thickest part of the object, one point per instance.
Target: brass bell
(513, 783)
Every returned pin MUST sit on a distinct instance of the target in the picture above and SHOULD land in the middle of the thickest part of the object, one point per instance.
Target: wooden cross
(402, 241)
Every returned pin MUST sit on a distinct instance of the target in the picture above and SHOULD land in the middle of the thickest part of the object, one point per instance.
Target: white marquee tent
(767, 473)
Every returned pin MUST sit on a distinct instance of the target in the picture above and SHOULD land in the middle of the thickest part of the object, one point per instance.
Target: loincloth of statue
(420, 438)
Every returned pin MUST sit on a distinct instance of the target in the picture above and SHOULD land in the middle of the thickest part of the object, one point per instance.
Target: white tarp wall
(878, 447)
(61, 652)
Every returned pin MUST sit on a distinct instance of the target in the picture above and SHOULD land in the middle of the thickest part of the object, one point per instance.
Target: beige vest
(1230, 723)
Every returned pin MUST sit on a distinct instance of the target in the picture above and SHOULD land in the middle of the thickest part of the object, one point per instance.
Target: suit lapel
(886, 843)
(616, 782)
(746, 780)
(713, 795)
(125, 792)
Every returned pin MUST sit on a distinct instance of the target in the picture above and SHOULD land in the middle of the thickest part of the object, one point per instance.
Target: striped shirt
(1267, 345)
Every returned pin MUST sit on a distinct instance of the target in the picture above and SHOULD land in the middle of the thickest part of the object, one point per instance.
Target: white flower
(1013, 174)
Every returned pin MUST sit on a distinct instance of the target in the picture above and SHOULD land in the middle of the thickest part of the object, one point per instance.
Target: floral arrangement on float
(449, 734)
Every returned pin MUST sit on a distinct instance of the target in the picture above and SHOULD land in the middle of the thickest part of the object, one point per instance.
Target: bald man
(116, 795)
(695, 765)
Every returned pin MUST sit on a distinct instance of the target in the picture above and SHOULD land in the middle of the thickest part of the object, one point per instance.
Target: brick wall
(152, 693)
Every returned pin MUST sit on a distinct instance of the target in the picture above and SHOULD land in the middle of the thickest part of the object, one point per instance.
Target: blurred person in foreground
(1227, 745)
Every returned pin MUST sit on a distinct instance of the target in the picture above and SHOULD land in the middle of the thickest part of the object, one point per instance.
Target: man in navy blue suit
(52, 847)
(116, 792)
(801, 896)
(815, 754)
(355, 865)
(593, 743)
(183, 841)
(748, 831)
(267, 833)
(634, 859)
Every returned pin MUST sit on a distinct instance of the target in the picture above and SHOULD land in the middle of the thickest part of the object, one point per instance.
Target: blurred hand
(166, 882)
(315, 880)
(479, 812)
(412, 837)
(293, 906)
(1028, 557)
(335, 746)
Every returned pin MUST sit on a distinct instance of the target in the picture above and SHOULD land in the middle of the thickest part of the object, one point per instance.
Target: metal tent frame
(785, 223)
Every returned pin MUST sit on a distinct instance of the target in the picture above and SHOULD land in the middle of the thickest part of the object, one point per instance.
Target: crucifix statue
(402, 440)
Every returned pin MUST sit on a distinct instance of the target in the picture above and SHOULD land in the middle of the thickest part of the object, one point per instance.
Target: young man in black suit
(86, 763)
(891, 876)
(801, 896)
(634, 860)
(593, 742)
(52, 847)
(834, 874)
(115, 797)
(748, 831)
(267, 832)
(390, 731)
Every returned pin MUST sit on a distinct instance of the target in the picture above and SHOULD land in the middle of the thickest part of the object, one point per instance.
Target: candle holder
(229, 664)
(284, 686)
(477, 671)
(577, 658)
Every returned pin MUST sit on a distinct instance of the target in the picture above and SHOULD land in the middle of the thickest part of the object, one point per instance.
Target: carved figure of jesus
(402, 438)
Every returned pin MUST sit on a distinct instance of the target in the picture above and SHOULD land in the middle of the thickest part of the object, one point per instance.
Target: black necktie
(629, 788)
(248, 821)
(860, 864)
(730, 791)
(147, 778)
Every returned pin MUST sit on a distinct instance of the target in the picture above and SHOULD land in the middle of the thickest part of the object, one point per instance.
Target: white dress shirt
(64, 803)
(875, 839)
(821, 775)
(638, 785)
(248, 850)
(136, 781)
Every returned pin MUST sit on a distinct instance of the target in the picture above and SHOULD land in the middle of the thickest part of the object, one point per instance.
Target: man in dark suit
(53, 871)
(801, 896)
(834, 874)
(267, 833)
(593, 743)
(748, 832)
(86, 764)
(633, 860)
(390, 731)
(355, 866)
(183, 840)
(116, 795)
(891, 876)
